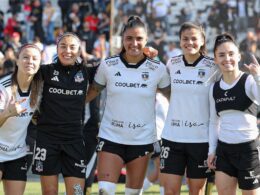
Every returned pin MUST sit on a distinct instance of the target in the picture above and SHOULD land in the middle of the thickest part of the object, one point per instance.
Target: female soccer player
(59, 144)
(19, 94)
(127, 130)
(185, 134)
(234, 134)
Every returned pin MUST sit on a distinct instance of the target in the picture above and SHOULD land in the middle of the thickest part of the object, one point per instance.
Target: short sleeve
(91, 72)
(165, 78)
(100, 76)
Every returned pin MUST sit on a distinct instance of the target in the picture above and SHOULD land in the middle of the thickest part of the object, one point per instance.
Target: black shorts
(241, 161)
(177, 157)
(52, 159)
(91, 141)
(14, 169)
(126, 152)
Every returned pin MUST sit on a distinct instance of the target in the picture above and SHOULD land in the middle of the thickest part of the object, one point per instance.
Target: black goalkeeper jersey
(63, 103)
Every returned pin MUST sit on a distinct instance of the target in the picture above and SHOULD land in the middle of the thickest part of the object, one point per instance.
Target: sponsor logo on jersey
(79, 77)
(53, 90)
(185, 123)
(187, 82)
(112, 62)
(130, 85)
(132, 125)
(208, 62)
(151, 66)
(55, 78)
(178, 72)
(6, 148)
(117, 123)
(226, 99)
(176, 60)
(118, 74)
(175, 123)
(145, 76)
(25, 114)
(201, 73)
(39, 166)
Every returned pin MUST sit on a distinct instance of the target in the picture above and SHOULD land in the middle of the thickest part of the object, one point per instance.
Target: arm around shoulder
(93, 91)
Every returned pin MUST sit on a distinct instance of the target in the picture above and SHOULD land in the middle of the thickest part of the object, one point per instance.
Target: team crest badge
(145, 76)
(56, 73)
(201, 73)
(39, 166)
(79, 77)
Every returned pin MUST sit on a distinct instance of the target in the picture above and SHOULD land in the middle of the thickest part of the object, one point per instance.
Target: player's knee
(106, 188)
(50, 191)
(130, 191)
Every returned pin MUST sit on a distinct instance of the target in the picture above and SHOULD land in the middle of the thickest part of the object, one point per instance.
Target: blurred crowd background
(98, 23)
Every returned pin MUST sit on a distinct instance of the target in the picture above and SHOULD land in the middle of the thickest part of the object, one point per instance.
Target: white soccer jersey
(188, 114)
(129, 116)
(13, 131)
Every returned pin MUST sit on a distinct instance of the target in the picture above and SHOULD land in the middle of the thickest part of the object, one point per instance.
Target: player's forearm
(93, 92)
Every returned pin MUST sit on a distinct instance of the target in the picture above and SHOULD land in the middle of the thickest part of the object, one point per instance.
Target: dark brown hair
(191, 25)
(223, 38)
(132, 22)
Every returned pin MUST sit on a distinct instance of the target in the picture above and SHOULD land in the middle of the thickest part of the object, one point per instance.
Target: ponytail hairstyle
(132, 22)
(223, 38)
(36, 84)
(191, 25)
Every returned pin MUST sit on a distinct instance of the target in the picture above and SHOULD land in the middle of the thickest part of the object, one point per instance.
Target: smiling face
(191, 41)
(28, 61)
(227, 57)
(134, 40)
(68, 50)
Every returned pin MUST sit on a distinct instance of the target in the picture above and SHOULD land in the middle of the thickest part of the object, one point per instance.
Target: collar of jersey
(68, 68)
(24, 94)
(132, 66)
(194, 63)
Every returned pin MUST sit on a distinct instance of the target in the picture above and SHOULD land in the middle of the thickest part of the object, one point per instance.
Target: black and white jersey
(13, 131)
(188, 114)
(62, 106)
(233, 111)
(129, 116)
